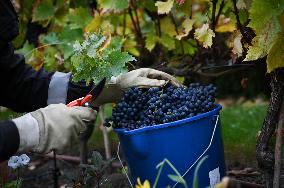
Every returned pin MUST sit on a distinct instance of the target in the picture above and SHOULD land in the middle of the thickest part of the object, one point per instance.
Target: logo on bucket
(214, 176)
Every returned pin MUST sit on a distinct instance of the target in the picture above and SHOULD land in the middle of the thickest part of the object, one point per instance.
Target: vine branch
(220, 11)
(176, 29)
(213, 20)
(265, 156)
(239, 25)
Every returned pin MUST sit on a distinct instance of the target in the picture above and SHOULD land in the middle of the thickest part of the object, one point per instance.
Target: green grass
(240, 126)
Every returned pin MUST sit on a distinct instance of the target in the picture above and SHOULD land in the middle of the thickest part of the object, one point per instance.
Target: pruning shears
(88, 101)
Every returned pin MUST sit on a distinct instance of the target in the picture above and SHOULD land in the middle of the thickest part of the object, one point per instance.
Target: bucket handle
(209, 145)
(125, 172)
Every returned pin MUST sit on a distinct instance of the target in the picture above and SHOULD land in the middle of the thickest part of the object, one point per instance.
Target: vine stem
(278, 148)
(213, 20)
(239, 25)
(105, 133)
(26, 54)
(133, 2)
(176, 29)
(220, 11)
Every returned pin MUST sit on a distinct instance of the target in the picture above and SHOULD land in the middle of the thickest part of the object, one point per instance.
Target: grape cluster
(147, 107)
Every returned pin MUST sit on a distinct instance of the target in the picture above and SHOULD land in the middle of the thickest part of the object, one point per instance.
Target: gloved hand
(53, 127)
(8, 22)
(143, 77)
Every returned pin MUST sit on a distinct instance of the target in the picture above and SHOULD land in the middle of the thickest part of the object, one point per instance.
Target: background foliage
(186, 38)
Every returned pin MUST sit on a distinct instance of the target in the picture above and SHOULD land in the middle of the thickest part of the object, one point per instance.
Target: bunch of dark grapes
(147, 107)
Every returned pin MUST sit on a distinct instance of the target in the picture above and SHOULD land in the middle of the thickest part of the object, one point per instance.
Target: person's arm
(53, 127)
(24, 89)
(9, 139)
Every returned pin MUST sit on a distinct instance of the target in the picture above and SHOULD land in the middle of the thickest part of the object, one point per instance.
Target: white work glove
(53, 127)
(143, 78)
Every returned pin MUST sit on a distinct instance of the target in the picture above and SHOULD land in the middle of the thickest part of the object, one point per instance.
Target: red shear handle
(80, 101)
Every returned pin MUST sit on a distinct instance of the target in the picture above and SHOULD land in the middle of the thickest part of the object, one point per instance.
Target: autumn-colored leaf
(276, 54)
(187, 25)
(204, 35)
(164, 7)
(237, 45)
(225, 25)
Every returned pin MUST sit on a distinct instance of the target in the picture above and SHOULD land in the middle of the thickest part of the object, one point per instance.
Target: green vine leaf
(44, 11)
(97, 57)
(167, 41)
(76, 17)
(113, 4)
(151, 40)
(276, 54)
(264, 17)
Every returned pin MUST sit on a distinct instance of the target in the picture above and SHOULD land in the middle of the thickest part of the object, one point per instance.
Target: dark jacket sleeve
(22, 88)
(9, 139)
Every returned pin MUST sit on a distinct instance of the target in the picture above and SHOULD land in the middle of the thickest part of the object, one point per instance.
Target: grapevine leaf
(116, 43)
(188, 47)
(94, 23)
(98, 57)
(119, 58)
(187, 24)
(204, 35)
(113, 4)
(79, 18)
(151, 40)
(185, 7)
(167, 41)
(43, 11)
(50, 38)
(225, 25)
(276, 54)
(149, 5)
(130, 45)
(67, 36)
(237, 45)
(26, 50)
(264, 20)
(241, 4)
(164, 7)
(168, 27)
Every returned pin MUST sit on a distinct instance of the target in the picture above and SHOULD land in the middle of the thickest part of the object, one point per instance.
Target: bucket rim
(124, 131)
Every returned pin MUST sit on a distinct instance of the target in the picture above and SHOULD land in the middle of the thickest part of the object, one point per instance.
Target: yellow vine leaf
(168, 27)
(107, 41)
(264, 17)
(164, 7)
(204, 35)
(151, 40)
(187, 24)
(276, 54)
(237, 45)
(94, 24)
(225, 25)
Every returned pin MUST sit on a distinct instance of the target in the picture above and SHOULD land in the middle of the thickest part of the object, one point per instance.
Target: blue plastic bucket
(183, 143)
